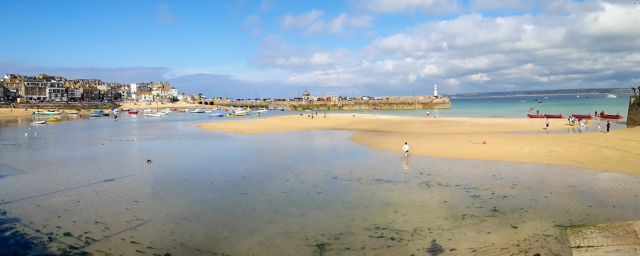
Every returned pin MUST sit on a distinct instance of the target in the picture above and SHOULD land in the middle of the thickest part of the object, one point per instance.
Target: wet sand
(513, 140)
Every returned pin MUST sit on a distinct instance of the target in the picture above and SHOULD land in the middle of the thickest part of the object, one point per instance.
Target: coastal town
(43, 88)
(56, 91)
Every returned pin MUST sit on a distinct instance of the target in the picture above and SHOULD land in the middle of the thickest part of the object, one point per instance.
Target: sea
(518, 105)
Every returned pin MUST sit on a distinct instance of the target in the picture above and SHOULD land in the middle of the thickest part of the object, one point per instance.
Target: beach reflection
(88, 185)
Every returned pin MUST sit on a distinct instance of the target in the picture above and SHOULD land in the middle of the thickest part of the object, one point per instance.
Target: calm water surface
(87, 185)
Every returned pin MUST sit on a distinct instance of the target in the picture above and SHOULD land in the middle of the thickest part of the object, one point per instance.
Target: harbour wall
(409, 103)
(633, 117)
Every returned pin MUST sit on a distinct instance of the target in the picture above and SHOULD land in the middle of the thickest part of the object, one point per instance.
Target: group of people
(315, 114)
(582, 124)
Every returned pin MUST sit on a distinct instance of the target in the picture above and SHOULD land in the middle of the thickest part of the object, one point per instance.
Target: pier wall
(633, 117)
(405, 103)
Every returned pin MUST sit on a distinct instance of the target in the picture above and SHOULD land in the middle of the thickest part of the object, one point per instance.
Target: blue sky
(375, 47)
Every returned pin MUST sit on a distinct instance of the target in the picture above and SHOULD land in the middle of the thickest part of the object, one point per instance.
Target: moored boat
(157, 114)
(239, 112)
(41, 122)
(218, 114)
(133, 112)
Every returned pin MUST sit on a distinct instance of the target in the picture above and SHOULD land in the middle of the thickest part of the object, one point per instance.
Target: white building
(56, 91)
(133, 89)
(435, 90)
(173, 92)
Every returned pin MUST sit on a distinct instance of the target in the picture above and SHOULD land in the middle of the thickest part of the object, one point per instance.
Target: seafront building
(55, 89)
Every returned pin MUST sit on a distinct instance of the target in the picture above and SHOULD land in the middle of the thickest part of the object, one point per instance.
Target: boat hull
(549, 116)
(587, 117)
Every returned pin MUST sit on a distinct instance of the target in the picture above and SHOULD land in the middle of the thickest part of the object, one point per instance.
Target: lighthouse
(435, 90)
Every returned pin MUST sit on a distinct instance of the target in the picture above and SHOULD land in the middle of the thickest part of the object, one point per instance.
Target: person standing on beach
(406, 148)
(608, 126)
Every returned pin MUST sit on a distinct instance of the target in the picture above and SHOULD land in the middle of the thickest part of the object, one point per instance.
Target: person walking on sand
(546, 124)
(406, 148)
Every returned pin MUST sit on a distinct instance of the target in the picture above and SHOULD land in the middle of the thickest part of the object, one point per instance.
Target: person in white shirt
(405, 148)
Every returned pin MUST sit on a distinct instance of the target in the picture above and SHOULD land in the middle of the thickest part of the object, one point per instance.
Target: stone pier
(633, 117)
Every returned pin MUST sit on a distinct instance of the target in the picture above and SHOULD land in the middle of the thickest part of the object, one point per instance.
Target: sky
(277, 48)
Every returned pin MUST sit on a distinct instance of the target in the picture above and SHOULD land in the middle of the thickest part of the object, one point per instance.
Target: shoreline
(518, 140)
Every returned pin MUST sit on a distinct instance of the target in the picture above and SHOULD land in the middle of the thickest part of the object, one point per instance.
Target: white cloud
(501, 5)
(434, 7)
(479, 77)
(588, 44)
(314, 22)
(302, 21)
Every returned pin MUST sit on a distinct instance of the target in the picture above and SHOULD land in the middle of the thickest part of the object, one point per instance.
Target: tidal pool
(86, 186)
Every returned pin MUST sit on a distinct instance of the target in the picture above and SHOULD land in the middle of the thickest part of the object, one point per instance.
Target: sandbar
(498, 139)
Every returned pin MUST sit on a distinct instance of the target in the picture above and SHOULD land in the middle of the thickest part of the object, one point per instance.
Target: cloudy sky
(351, 47)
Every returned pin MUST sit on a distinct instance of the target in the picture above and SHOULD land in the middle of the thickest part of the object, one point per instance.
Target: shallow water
(87, 185)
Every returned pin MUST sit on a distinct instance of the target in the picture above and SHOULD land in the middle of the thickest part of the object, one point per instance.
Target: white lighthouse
(435, 90)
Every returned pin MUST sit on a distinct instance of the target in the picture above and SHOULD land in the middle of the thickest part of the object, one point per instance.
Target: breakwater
(390, 103)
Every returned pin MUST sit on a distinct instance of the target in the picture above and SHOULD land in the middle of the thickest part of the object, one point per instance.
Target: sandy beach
(8, 113)
(513, 140)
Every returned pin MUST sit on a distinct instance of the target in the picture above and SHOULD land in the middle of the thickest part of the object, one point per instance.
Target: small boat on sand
(55, 119)
(549, 116)
(261, 111)
(47, 113)
(97, 113)
(580, 117)
(610, 117)
(41, 122)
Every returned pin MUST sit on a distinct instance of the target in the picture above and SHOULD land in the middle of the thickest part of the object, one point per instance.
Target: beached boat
(261, 111)
(577, 116)
(198, 111)
(550, 116)
(47, 113)
(55, 119)
(97, 113)
(133, 112)
(610, 117)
